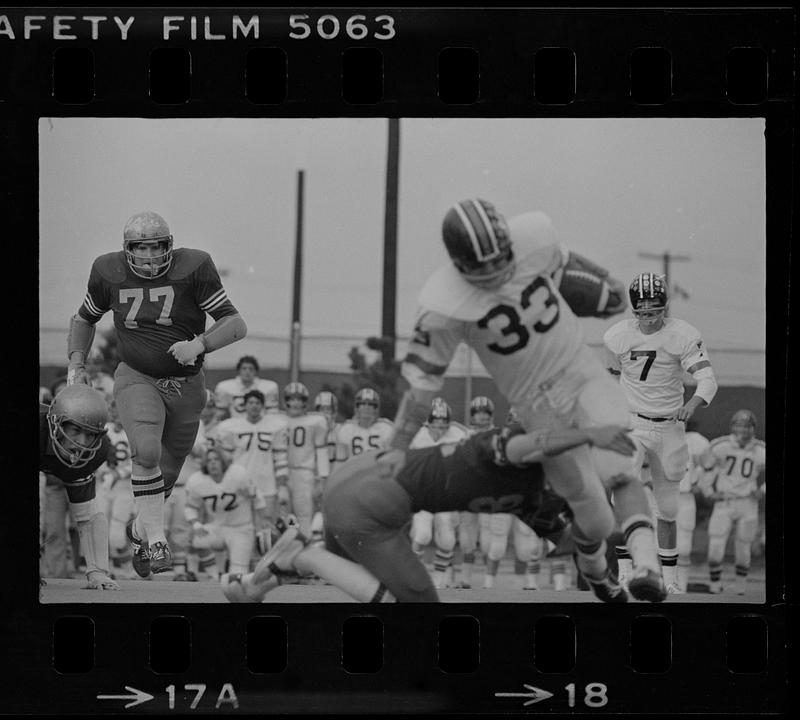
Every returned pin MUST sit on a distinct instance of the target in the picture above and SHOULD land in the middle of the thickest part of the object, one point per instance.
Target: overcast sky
(613, 188)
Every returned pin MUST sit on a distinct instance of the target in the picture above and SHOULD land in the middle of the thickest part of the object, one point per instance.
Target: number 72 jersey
(651, 366)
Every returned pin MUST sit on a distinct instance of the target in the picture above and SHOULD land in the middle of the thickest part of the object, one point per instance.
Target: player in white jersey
(650, 353)
(734, 485)
(114, 493)
(687, 506)
(326, 404)
(230, 393)
(365, 430)
(257, 442)
(440, 527)
(223, 493)
(309, 464)
(502, 295)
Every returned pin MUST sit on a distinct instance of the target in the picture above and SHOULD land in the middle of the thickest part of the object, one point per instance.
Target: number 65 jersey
(651, 366)
(524, 332)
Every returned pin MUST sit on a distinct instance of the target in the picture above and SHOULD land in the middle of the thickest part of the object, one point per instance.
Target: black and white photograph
(363, 360)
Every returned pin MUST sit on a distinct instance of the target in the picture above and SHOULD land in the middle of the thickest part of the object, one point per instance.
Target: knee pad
(497, 547)
(444, 534)
(666, 495)
(421, 531)
(716, 549)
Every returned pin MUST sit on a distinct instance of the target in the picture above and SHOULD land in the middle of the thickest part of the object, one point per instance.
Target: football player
(159, 297)
(366, 430)
(72, 446)
(501, 294)
(650, 353)
(326, 404)
(257, 442)
(230, 393)
(369, 501)
(309, 464)
(736, 487)
(440, 429)
(223, 492)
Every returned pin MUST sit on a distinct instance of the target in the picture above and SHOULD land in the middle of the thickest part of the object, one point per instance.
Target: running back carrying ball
(588, 288)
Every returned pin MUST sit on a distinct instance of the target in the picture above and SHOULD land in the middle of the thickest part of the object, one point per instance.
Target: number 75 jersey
(651, 366)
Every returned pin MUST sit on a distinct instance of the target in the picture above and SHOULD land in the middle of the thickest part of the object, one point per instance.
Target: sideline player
(739, 459)
(369, 501)
(222, 491)
(439, 429)
(326, 404)
(366, 430)
(230, 393)
(502, 295)
(257, 442)
(309, 465)
(72, 445)
(650, 352)
(687, 505)
(159, 298)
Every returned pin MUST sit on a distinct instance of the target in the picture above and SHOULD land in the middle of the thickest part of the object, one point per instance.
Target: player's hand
(612, 437)
(391, 463)
(617, 298)
(76, 374)
(98, 580)
(186, 351)
(685, 413)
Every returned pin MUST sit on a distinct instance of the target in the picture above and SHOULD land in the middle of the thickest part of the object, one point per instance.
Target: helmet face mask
(481, 410)
(326, 403)
(367, 405)
(439, 418)
(144, 233)
(743, 426)
(77, 424)
(649, 300)
(478, 241)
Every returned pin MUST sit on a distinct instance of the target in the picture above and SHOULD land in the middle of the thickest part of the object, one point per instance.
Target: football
(586, 294)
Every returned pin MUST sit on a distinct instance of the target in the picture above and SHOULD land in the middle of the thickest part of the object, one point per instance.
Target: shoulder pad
(447, 293)
(112, 266)
(185, 261)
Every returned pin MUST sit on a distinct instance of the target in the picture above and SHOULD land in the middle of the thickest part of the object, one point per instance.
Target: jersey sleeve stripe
(91, 307)
(424, 365)
(216, 299)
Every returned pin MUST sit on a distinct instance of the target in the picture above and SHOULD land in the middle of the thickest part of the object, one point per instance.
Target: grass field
(161, 589)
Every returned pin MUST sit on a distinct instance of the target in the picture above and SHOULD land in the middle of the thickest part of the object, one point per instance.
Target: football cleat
(607, 588)
(279, 561)
(140, 555)
(674, 589)
(647, 584)
(160, 558)
(715, 587)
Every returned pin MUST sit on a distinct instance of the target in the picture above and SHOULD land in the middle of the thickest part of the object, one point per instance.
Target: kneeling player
(369, 502)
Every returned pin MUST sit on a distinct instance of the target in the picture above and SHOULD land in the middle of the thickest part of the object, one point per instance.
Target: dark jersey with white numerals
(472, 475)
(151, 315)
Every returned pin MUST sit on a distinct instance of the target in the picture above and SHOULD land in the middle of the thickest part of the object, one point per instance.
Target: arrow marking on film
(535, 694)
(138, 697)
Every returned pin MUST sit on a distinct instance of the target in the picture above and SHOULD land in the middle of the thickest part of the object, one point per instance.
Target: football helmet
(481, 403)
(77, 410)
(440, 410)
(147, 227)
(326, 403)
(367, 404)
(294, 391)
(648, 292)
(479, 243)
(743, 425)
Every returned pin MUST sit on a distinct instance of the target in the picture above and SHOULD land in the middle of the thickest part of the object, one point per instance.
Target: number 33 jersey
(651, 366)
(151, 315)
(523, 332)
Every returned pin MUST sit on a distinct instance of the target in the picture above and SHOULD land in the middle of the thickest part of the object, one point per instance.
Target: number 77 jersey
(651, 366)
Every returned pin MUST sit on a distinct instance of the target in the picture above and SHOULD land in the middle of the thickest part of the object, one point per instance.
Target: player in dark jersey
(159, 298)
(368, 505)
(72, 445)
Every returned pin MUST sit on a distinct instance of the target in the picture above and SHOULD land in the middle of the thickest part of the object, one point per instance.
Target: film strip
(480, 657)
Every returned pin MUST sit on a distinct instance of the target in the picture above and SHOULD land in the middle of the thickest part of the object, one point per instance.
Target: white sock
(148, 498)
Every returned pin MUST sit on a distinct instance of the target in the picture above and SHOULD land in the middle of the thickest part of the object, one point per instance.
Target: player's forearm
(225, 331)
(79, 340)
(411, 415)
(93, 535)
(541, 444)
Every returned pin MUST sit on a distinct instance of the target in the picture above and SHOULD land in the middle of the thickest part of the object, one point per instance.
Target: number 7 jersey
(651, 366)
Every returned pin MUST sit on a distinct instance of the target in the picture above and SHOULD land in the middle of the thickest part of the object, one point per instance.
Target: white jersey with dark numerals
(307, 434)
(229, 502)
(353, 439)
(737, 467)
(523, 332)
(258, 447)
(651, 366)
(230, 393)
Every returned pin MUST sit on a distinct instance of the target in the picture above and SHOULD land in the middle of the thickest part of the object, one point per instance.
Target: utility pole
(297, 287)
(666, 258)
(388, 330)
